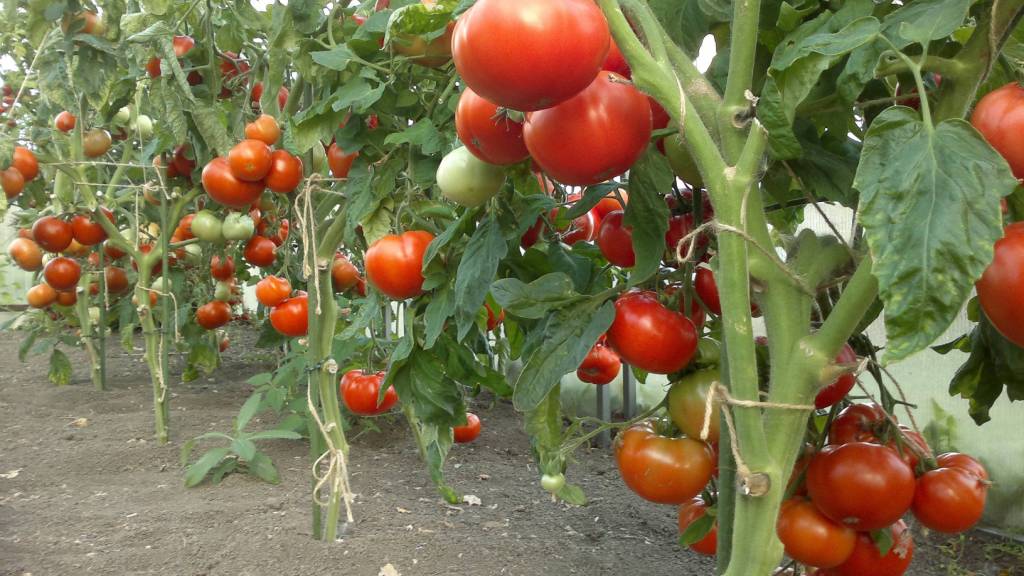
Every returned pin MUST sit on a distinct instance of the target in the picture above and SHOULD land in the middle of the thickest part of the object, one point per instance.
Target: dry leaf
(10, 475)
(389, 570)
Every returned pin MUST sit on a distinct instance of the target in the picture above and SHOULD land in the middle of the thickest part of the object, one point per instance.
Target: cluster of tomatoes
(24, 167)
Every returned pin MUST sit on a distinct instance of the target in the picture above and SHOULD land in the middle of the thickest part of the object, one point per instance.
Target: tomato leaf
(247, 411)
(591, 197)
(337, 58)
(647, 213)
(422, 382)
(307, 15)
(994, 363)
(697, 530)
(477, 269)
(941, 19)
(440, 307)
(536, 299)
(208, 121)
(60, 368)
(883, 540)
(422, 134)
(930, 209)
(437, 441)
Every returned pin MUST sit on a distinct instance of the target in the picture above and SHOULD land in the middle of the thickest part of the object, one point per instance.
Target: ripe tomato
(863, 486)
(90, 23)
(616, 62)
(470, 431)
(707, 289)
(282, 95)
(344, 274)
(838, 389)
(112, 252)
(184, 228)
(394, 264)
(679, 227)
(999, 116)
(26, 163)
(811, 538)
(12, 181)
(601, 365)
(687, 404)
(339, 161)
(182, 46)
(231, 66)
(291, 317)
(467, 180)
(285, 172)
(26, 254)
(957, 460)
(493, 321)
(488, 132)
(41, 295)
(661, 469)
(616, 240)
(689, 513)
(560, 47)
(867, 560)
(1003, 282)
(65, 122)
(610, 204)
(857, 423)
(67, 298)
(649, 335)
(418, 50)
(116, 279)
(594, 136)
(62, 273)
(949, 500)
(260, 251)
(87, 231)
(222, 269)
(361, 393)
(182, 162)
(264, 129)
(250, 160)
(96, 143)
(221, 184)
(273, 290)
(52, 234)
(582, 229)
(213, 314)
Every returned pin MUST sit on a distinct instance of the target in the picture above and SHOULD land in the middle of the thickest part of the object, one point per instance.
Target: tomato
(857, 423)
(182, 46)
(285, 172)
(552, 482)
(90, 23)
(76, 249)
(650, 336)
(12, 181)
(52, 234)
(659, 120)
(559, 48)
(222, 268)
(67, 298)
(467, 180)
(860, 485)
(596, 135)
(690, 512)
(601, 365)
(221, 184)
(488, 132)
(679, 227)
(206, 226)
(661, 469)
(264, 129)
(418, 50)
(260, 251)
(231, 66)
(112, 251)
(238, 226)
(282, 96)
(213, 314)
(867, 560)
(344, 274)
(582, 229)
(999, 116)
(340, 161)
(493, 320)
(273, 290)
(65, 121)
(184, 228)
(616, 240)
(470, 431)
(62, 273)
(687, 404)
(610, 204)
(394, 264)
(949, 500)
(26, 163)
(707, 289)
(26, 254)
(837, 390)
(41, 296)
(1003, 281)
(290, 317)
(182, 162)
(250, 160)
(116, 279)
(361, 393)
(957, 460)
(616, 62)
(96, 143)
(225, 342)
(811, 538)
(87, 231)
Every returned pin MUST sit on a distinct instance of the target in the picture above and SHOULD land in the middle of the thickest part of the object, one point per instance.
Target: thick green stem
(153, 358)
(846, 315)
(88, 338)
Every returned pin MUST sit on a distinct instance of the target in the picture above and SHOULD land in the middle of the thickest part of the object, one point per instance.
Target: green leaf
(248, 410)
(440, 307)
(212, 129)
(883, 540)
(423, 384)
(422, 134)
(307, 16)
(536, 299)
(278, 434)
(477, 269)
(198, 470)
(356, 94)
(245, 448)
(204, 356)
(26, 345)
(685, 22)
(697, 530)
(716, 10)
(338, 58)
(591, 197)
(450, 233)
(155, 7)
(937, 19)
(437, 441)
(646, 212)
(60, 368)
(930, 209)
(544, 425)
(262, 466)
(223, 469)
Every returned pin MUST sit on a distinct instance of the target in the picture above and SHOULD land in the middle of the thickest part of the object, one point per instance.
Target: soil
(104, 498)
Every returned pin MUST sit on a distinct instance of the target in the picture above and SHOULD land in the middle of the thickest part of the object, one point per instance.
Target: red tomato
(212, 315)
(811, 538)
(649, 335)
(863, 486)
(689, 513)
(616, 240)
(394, 264)
(488, 132)
(661, 469)
(1003, 281)
(838, 389)
(857, 423)
(282, 95)
(264, 129)
(41, 296)
(231, 66)
(116, 279)
(182, 46)
(12, 181)
(26, 254)
(339, 161)
(223, 187)
(250, 160)
(273, 290)
(957, 460)
(65, 121)
(285, 172)
(222, 269)
(999, 116)
(610, 204)
(596, 135)
(52, 234)
(87, 231)
(112, 252)
(680, 226)
(62, 273)
(949, 500)
(616, 62)
(470, 431)
(659, 120)
(182, 162)
(26, 163)
(344, 274)
(601, 365)
(68, 298)
(361, 393)
(866, 559)
(291, 317)
(260, 251)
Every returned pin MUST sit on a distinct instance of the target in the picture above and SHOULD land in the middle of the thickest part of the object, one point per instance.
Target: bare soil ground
(106, 499)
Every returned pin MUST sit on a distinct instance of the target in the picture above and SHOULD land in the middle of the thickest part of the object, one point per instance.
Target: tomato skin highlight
(394, 264)
(661, 469)
(469, 432)
(949, 500)
(594, 136)
(488, 133)
(649, 336)
(291, 317)
(360, 391)
(689, 512)
(1002, 283)
(567, 43)
(999, 116)
(812, 538)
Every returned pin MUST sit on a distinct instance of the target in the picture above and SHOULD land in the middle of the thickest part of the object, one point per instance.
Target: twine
(306, 217)
(337, 467)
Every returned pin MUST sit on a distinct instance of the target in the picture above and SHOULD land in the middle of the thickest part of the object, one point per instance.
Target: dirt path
(105, 499)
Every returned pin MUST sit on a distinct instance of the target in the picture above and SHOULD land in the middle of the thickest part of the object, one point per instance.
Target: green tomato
(123, 116)
(193, 254)
(467, 180)
(144, 124)
(687, 404)
(222, 292)
(709, 352)
(552, 482)
(238, 226)
(161, 284)
(682, 162)
(207, 227)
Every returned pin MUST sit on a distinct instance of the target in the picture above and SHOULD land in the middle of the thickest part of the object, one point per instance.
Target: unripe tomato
(650, 336)
(26, 254)
(690, 512)
(221, 184)
(431, 54)
(285, 172)
(616, 240)
(260, 251)
(52, 234)
(12, 181)
(41, 296)
(999, 116)
(26, 163)
(213, 314)
(1003, 281)
(949, 500)
(222, 269)
(238, 226)
(812, 538)
(207, 227)
(62, 273)
(488, 132)
(470, 431)
(273, 290)
(65, 122)
(96, 143)
(340, 161)
(687, 404)
(344, 274)
(552, 482)
(290, 317)
(661, 469)
(867, 560)
(144, 125)
(467, 180)
(837, 390)
(601, 365)
(264, 129)
(361, 391)
(394, 264)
